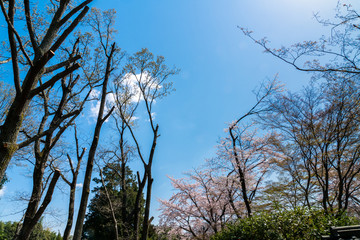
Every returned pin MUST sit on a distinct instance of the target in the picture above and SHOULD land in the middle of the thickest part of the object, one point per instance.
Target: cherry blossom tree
(223, 190)
(200, 207)
(248, 154)
(247, 157)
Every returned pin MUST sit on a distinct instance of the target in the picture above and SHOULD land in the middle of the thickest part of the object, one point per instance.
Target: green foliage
(296, 224)
(8, 229)
(99, 223)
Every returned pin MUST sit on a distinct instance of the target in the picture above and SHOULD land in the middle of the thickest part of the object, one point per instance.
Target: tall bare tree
(72, 183)
(58, 115)
(37, 58)
(320, 139)
(102, 25)
(145, 80)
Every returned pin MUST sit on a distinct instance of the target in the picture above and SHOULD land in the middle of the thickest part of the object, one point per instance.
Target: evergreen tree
(99, 223)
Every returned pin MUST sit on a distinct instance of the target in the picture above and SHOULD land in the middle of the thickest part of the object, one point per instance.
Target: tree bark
(92, 151)
(150, 180)
(137, 208)
(32, 217)
(72, 184)
(69, 222)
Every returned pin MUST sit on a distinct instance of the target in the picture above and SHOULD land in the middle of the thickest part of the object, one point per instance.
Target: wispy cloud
(79, 185)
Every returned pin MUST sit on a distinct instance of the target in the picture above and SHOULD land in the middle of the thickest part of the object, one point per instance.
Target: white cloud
(110, 99)
(133, 119)
(94, 93)
(153, 114)
(94, 109)
(2, 191)
(131, 81)
(79, 185)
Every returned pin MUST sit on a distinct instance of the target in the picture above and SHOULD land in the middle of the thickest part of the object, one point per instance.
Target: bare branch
(67, 31)
(11, 26)
(54, 79)
(30, 26)
(62, 64)
(73, 11)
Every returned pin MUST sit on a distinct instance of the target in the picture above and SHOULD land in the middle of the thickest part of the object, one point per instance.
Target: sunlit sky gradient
(219, 69)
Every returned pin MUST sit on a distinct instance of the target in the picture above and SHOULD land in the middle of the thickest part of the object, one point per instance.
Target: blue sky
(219, 69)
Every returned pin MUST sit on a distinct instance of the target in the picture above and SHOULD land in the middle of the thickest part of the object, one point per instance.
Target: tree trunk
(32, 216)
(149, 185)
(10, 130)
(136, 211)
(71, 211)
(146, 221)
(92, 151)
(241, 173)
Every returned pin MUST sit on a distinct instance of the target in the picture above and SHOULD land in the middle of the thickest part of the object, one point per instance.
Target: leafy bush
(299, 223)
(7, 232)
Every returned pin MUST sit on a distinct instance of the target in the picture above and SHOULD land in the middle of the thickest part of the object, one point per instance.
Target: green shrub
(295, 224)
(7, 232)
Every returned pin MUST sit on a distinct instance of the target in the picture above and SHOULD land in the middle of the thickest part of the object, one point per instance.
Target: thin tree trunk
(92, 151)
(111, 206)
(145, 229)
(123, 174)
(72, 184)
(241, 173)
(69, 222)
(136, 212)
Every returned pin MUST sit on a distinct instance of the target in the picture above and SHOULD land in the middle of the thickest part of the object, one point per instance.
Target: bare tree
(72, 184)
(57, 118)
(320, 139)
(328, 56)
(102, 24)
(36, 59)
(145, 81)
